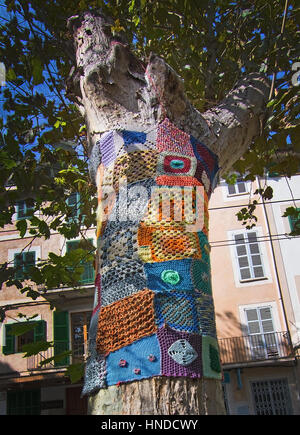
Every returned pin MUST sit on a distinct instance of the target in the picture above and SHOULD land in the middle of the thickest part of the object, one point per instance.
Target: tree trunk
(117, 92)
(160, 396)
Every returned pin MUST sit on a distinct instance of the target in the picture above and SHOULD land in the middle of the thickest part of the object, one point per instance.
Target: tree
(213, 47)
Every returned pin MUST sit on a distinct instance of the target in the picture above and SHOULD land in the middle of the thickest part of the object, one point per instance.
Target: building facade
(254, 276)
(256, 288)
(26, 386)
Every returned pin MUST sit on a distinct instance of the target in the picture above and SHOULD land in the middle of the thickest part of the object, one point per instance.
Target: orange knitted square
(177, 180)
(126, 321)
(166, 243)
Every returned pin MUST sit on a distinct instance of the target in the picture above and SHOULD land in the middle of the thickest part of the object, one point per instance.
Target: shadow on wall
(6, 369)
(228, 325)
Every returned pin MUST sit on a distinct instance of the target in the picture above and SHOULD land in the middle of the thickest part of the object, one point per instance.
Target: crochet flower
(122, 363)
(170, 276)
(151, 358)
(137, 371)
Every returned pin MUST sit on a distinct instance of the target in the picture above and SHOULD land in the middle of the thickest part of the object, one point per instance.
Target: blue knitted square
(178, 310)
(139, 360)
(169, 275)
(132, 137)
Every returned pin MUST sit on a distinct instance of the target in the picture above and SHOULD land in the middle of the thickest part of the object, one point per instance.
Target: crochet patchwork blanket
(153, 311)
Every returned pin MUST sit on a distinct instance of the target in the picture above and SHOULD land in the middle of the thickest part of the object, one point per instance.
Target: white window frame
(227, 197)
(245, 324)
(267, 278)
(236, 189)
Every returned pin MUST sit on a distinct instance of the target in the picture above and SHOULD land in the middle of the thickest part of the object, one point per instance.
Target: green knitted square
(210, 358)
(202, 276)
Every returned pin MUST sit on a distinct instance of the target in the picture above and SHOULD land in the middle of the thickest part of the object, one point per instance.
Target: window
(22, 263)
(73, 201)
(87, 276)
(294, 221)
(262, 335)
(79, 331)
(24, 210)
(27, 402)
(237, 189)
(271, 397)
(248, 255)
(14, 344)
(61, 337)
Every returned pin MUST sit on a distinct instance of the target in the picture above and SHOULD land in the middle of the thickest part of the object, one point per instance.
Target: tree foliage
(43, 144)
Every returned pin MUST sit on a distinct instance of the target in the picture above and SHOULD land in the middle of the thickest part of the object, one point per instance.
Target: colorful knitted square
(134, 166)
(205, 314)
(167, 243)
(138, 360)
(97, 296)
(176, 164)
(201, 276)
(202, 177)
(169, 206)
(126, 321)
(170, 138)
(210, 358)
(139, 140)
(107, 148)
(121, 279)
(181, 353)
(182, 180)
(208, 160)
(119, 243)
(133, 137)
(177, 309)
(95, 366)
(165, 205)
(169, 275)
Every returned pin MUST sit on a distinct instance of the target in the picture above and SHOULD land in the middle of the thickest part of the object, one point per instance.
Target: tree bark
(115, 90)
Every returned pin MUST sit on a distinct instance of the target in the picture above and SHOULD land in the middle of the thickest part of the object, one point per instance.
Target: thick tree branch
(118, 90)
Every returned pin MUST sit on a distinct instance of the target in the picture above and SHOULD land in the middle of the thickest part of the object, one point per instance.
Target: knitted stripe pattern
(153, 310)
(125, 321)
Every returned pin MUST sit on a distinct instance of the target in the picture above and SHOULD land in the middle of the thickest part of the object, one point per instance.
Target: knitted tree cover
(153, 312)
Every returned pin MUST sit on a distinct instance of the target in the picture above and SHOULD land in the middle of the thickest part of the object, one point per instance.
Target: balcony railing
(77, 355)
(257, 347)
(234, 350)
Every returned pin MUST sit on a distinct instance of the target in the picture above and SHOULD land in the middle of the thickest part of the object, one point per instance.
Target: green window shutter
(23, 210)
(61, 335)
(88, 275)
(9, 347)
(72, 245)
(40, 331)
(294, 222)
(28, 260)
(23, 262)
(73, 201)
(18, 265)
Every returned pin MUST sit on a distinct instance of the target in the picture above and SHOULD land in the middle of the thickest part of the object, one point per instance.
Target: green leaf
(57, 358)
(75, 372)
(22, 227)
(10, 75)
(35, 348)
(37, 71)
(22, 327)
